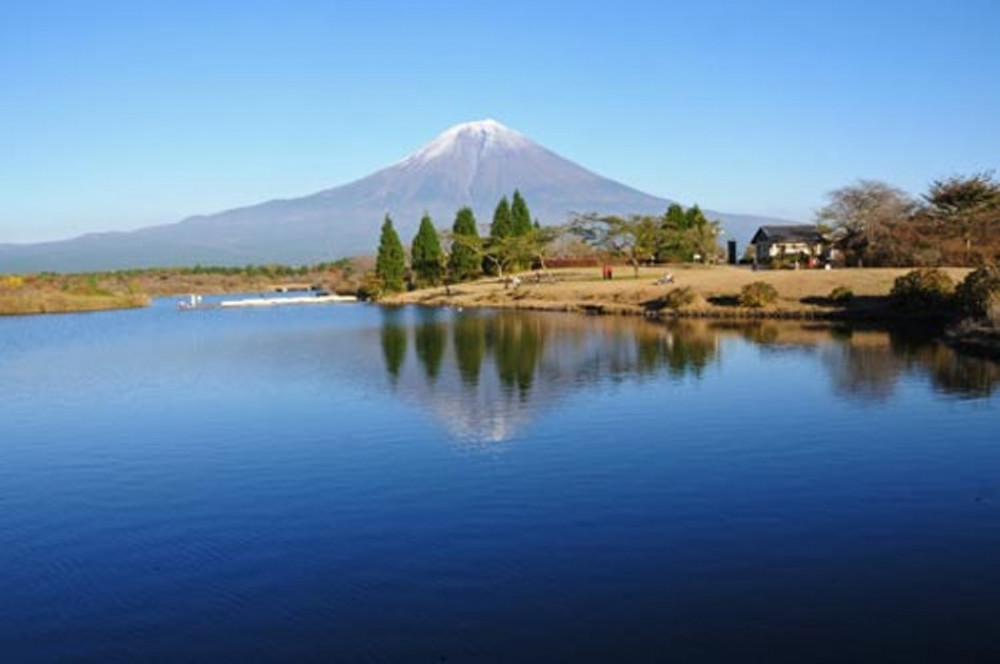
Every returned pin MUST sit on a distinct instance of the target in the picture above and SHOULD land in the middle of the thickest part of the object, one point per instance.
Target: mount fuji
(471, 164)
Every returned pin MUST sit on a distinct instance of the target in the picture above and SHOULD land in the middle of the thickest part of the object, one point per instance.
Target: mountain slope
(470, 164)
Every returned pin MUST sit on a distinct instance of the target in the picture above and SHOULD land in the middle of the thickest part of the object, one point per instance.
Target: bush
(758, 294)
(782, 263)
(678, 298)
(926, 292)
(979, 293)
(371, 289)
(841, 295)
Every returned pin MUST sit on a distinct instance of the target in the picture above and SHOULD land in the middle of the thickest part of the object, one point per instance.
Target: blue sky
(117, 115)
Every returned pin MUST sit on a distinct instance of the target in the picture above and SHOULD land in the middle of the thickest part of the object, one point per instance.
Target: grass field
(716, 289)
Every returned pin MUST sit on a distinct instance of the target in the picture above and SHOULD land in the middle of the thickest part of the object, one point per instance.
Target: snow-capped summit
(477, 138)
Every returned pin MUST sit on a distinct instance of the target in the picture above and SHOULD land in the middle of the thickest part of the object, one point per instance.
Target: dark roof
(797, 233)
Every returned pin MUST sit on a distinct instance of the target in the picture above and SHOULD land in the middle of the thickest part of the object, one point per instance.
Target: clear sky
(124, 113)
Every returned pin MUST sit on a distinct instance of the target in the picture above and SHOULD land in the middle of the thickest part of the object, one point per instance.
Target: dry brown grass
(42, 294)
(800, 292)
(50, 302)
(58, 293)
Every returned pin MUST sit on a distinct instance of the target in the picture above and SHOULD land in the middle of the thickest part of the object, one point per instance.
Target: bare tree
(865, 217)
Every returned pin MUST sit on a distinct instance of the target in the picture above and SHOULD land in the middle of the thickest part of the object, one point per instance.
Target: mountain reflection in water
(360, 483)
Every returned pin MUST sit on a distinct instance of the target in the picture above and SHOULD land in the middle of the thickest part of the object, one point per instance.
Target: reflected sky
(410, 484)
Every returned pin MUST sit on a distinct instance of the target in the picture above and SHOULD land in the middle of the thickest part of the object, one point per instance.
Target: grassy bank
(342, 277)
(63, 293)
(713, 292)
(39, 294)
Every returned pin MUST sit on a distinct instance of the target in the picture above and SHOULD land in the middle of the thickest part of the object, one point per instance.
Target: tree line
(514, 242)
(679, 235)
(955, 222)
(517, 242)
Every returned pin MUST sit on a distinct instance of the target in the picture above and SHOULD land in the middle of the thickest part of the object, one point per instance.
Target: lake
(358, 484)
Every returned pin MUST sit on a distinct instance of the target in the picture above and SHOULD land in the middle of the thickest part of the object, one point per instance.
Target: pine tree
(519, 216)
(672, 242)
(675, 218)
(502, 225)
(695, 217)
(391, 262)
(464, 263)
(426, 255)
(496, 253)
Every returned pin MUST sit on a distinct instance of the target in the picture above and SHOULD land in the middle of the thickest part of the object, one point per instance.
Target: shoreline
(803, 295)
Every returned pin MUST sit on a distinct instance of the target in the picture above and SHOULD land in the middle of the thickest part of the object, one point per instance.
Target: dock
(195, 302)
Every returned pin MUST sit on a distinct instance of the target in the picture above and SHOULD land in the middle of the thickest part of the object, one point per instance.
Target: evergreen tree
(502, 225)
(694, 217)
(675, 218)
(520, 218)
(464, 262)
(393, 342)
(391, 262)
(426, 256)
(671, 243)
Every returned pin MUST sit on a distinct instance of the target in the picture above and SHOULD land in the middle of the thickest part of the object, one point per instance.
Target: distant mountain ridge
(471, 164)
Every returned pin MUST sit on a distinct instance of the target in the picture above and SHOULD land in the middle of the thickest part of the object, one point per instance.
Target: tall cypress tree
(502, 225)
(519, 216)
(464, 263)
(391, 262)
(426, 255)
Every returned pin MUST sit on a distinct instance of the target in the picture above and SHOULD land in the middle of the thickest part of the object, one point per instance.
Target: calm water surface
(349, 483)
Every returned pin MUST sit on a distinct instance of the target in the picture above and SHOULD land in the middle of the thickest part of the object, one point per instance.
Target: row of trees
(955, 222)
(678, 235)
(516, 242)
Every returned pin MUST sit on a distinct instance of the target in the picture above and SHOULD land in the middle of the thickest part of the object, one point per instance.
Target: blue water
(357, 484)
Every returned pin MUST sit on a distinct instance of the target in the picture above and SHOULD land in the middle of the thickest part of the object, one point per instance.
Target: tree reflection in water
(429, 340)
(540, 357)
(469, 339)
(393, 341)
(516, 344)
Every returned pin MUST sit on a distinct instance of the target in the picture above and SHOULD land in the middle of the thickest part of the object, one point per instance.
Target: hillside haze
(471, 164)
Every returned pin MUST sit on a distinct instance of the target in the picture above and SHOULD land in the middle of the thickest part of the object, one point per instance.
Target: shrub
(782, 263)
(841, 295)
(927, 292)
(678, 298)
(371, 289)
(979, 293)
(758, 294)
